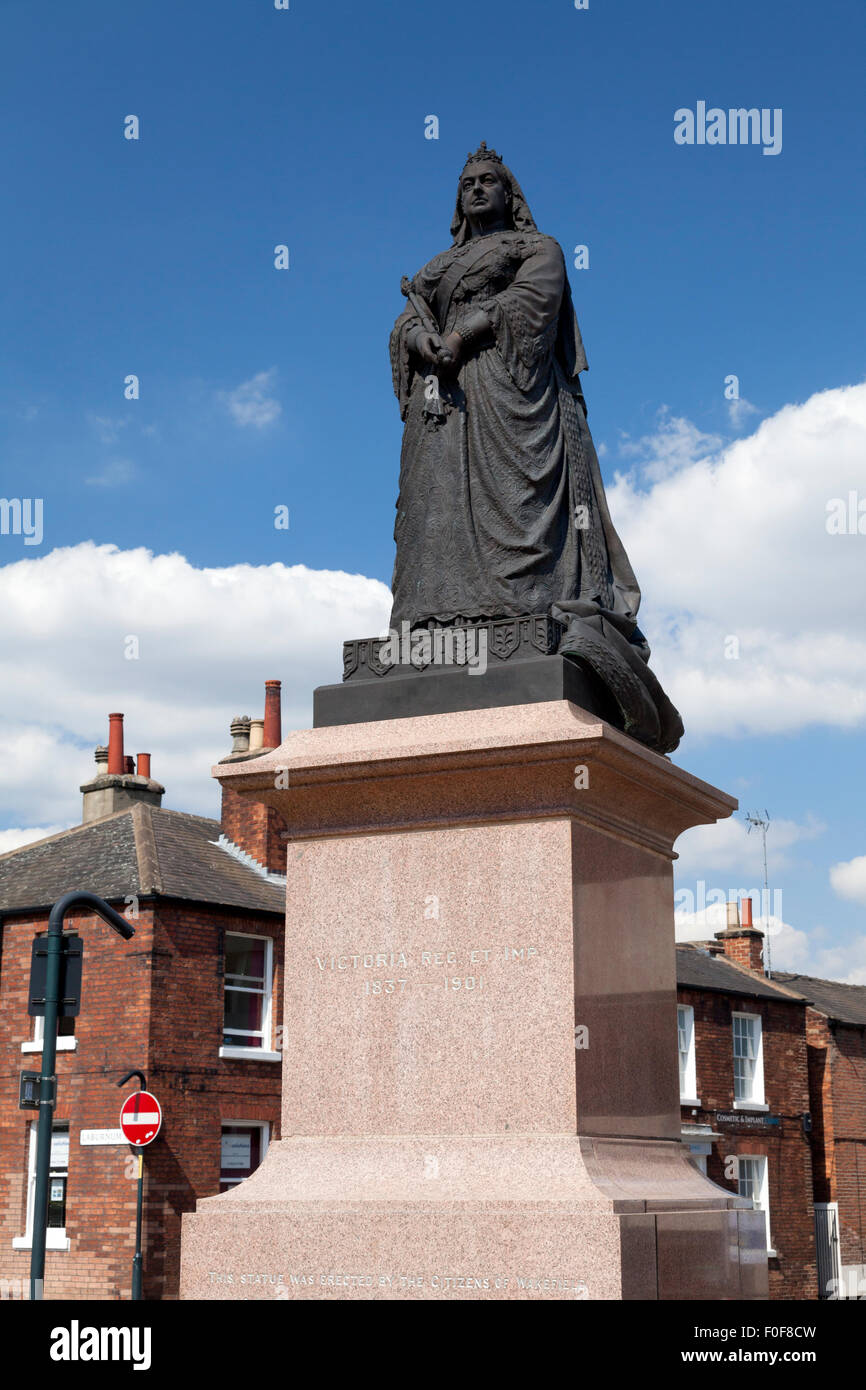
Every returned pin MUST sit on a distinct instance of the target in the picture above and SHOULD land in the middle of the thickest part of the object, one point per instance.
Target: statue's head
(488, 194)
(484, 192)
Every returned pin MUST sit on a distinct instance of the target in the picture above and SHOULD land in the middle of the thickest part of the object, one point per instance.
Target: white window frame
(257, 1054)
(67, 1043)
(264, 1126)
(55, 1236)
(763, 1191)
(688, 1079)
(756, 1100)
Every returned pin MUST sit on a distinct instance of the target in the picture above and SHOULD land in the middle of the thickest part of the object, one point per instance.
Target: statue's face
(483, 194)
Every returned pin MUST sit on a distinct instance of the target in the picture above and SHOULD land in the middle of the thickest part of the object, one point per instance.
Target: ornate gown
(501, 510)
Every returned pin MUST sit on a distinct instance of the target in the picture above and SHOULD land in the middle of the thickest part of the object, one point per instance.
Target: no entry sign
(140, 1118)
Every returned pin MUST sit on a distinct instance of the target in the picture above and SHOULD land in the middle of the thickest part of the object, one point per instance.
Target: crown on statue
(482, 155)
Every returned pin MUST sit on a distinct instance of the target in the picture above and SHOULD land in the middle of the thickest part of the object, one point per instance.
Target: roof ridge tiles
(759, 975)
(146, 853)
(822, 979)
(749, 981)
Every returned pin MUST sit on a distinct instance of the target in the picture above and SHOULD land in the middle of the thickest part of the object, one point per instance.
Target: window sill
(750, 1105)
(249, 1054)
(692, 1101)
(65, 1044)
(55, 1239)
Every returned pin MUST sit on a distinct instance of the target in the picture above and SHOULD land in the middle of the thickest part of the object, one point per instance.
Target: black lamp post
(47, 1079)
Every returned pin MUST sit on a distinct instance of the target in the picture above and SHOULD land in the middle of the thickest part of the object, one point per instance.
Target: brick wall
(837, 1055)
(155, 1003)
(793, 1272)
(819, 1047)
(255, 828)
(199, 1090)
(849, 1133)
(111, 1033)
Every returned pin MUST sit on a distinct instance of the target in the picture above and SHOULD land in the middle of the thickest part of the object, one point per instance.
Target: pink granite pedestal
(480, 1080)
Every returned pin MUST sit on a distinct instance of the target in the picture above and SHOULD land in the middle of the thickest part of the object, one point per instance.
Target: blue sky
(261, 387)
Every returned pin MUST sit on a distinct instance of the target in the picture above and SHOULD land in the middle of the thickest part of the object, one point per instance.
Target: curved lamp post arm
(96, 904)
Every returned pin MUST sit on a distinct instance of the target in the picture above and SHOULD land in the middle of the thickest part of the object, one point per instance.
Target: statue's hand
(428, 347)
(449, 355)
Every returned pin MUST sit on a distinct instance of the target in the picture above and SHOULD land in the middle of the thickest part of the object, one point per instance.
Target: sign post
(47, 1005)
(141, 1121)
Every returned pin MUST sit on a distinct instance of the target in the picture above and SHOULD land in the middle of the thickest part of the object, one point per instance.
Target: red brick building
(744, 1089)
(191, 1001)
(836, 1043)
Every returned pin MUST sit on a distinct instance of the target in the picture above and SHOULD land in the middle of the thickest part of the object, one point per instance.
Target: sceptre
(432, 397)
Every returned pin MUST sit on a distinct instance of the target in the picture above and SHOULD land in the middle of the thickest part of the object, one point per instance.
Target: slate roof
(845, 1003)
(141, 850)
(696, 970)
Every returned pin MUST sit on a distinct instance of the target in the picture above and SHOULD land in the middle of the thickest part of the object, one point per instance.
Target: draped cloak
(502, 510)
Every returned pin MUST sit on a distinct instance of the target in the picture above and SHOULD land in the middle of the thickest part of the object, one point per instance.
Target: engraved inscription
(455, 971)
(281, 1285)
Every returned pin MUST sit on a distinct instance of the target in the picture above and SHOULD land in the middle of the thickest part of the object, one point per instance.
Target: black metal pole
(47, 1080)
(136, 1259)
(47, 1090)
(137, 1294)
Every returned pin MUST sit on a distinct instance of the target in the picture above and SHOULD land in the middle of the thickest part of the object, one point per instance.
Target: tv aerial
(755, 821)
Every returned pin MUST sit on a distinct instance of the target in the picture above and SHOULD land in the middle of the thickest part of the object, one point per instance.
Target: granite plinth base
(480, 1076)
(524, 1217)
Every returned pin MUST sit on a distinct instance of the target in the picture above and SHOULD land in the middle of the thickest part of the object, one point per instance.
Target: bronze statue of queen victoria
(502, 510)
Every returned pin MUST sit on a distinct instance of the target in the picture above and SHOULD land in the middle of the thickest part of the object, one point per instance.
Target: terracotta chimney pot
(115, 745)
(272, 734)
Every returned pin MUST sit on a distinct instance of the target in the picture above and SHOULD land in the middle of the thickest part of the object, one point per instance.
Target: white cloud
(728, 845)
(740, 412)
(846, 962)
(675, 445)
(13, 839)
(107, 430)
(848, 880)
(789, 948)
(117, 473)
(208, 639)
(252, 403)
(701, 925)
(730, 542)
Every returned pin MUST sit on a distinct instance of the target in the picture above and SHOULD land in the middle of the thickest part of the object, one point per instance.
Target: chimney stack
(272, 735)
(252, 826)
(742, 942)
(116, 785)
